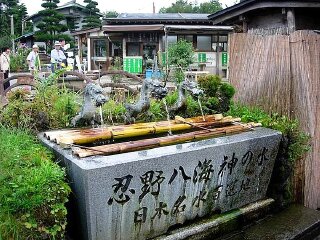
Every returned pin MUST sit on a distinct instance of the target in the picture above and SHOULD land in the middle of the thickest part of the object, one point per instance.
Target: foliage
(18, 11)
(217, 95)
(180, 57)
(113, 111)
(93, 18)
(50, 26)
(193, 108)
(33, 192)
(5, 41)
(51, 106)
(293, 146)
(117, 65)
(183, 6)
(157, 112)
(111, 14)
(18, 60)
(298, 141)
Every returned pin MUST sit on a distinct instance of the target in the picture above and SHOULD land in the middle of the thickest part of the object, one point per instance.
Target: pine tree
(4, 22)
(50, 27)
(93, 18)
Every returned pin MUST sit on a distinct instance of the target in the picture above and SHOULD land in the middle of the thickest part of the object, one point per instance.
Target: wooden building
(275, 63)
(73, 12)
(270, 16)
(141, 36)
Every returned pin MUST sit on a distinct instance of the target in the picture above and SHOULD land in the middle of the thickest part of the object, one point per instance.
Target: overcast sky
(121, 6)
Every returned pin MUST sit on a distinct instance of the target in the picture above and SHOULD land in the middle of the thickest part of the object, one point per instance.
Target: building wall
(267, 19)
(308, 19)
(66, 12)
(280, 73)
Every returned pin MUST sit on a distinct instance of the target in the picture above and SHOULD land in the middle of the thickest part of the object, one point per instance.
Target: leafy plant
(33, 191)
(113, 111)
(180, 57)
(117, 65)
(293, 146)
(18, 60)
(51, 107)
(5, 40)
(217, 94)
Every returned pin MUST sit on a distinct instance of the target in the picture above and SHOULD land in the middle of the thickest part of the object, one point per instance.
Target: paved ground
(296, 222)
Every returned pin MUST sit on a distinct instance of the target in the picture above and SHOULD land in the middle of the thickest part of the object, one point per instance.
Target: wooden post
(89, 53)
(291, 20)
(124, 47)
(166, 49)
(217, 56)
(80, 47)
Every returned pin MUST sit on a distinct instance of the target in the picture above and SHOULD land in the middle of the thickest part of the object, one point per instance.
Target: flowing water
(201, 109)
(168, 115)
(101, 117)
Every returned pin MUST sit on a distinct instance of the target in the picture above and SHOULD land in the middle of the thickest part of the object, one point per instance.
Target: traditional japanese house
(270, 16)
(139, 37)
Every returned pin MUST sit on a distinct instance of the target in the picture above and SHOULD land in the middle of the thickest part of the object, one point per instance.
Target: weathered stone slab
(139, 195)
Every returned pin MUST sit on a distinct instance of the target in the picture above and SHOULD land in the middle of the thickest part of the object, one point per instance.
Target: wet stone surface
(141, 194)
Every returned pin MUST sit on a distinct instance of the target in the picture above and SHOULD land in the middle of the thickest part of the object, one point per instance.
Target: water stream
(199, 102)
(168, 115)
(101, 116)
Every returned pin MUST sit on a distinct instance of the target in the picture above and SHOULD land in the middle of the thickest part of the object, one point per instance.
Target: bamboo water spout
(87, 136)
(158, 142)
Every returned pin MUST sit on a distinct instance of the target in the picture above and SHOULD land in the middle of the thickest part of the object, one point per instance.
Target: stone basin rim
(100, 161)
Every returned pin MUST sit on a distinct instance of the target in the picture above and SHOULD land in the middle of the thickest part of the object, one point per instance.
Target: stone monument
(139, 195)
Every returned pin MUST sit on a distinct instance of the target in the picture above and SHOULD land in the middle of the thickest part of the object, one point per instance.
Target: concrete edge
(219, 224)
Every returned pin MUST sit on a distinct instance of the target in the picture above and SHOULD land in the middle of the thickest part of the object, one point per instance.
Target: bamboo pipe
(157, 142)
(119, 133)
(57, 134)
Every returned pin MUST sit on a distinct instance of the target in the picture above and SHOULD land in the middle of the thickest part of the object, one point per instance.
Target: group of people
(57, 57)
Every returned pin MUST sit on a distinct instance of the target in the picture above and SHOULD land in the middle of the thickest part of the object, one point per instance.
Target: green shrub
(293, 146)
(33, 191)
(113, 111)
(181, 55)
(217, 95)
(5, 41)
(50, 108)
(210, 84)
(18, 60)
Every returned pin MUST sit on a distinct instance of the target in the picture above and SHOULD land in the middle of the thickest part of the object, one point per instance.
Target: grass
(33, 190)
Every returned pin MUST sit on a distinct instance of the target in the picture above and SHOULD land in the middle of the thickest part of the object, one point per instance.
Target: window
(172, 39)
(188, 38)
(204, 43)
(133, 49)
(100, 48)
(223, 43)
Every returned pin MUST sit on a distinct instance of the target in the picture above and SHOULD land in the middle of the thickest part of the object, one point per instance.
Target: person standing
(34, 60)
(64, 48)
(57, 56)
(5, 64)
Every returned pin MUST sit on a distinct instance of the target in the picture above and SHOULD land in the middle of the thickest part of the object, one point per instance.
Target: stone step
(296, 222)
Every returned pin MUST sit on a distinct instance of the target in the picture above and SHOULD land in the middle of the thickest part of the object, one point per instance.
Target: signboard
(224, 59)
(202, 57)
(163, 58)
(132, 64)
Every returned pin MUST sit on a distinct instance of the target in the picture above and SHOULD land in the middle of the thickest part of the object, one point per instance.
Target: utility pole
(12, 32)
(23, 22)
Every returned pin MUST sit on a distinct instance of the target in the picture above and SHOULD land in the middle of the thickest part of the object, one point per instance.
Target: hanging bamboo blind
(281, 73)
